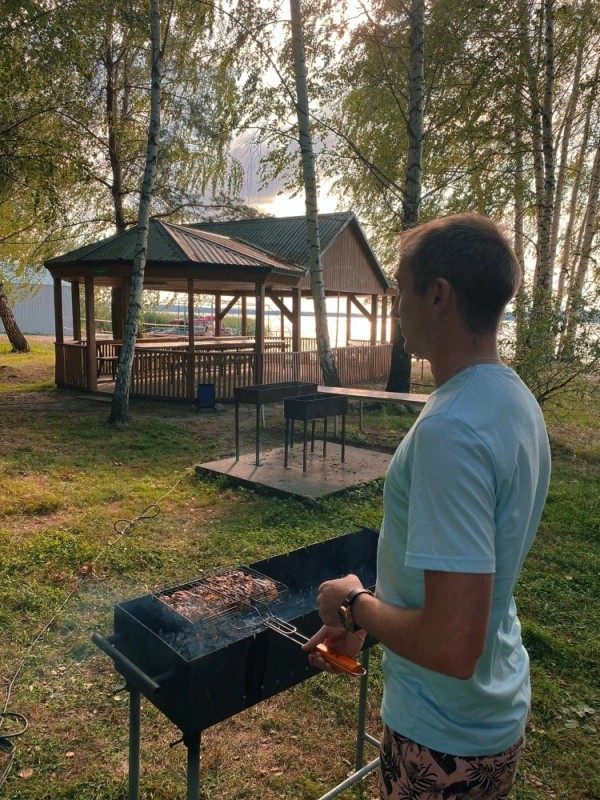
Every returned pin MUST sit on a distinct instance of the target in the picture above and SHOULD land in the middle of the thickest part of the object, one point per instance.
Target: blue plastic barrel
(206, 396)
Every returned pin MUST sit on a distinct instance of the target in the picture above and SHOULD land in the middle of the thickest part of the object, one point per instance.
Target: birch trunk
(116, 167)
(519, 236)
(544, 276)
(528, 71)
(565, 261)
(328, 366)
(564, 152)
(120, 401)
(400, 367)
(411, 202)
(588, 231)
(590, 225)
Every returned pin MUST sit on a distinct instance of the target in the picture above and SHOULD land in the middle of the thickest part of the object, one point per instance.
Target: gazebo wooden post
(296, 320)
(58, 312)
(348, 320)
(244, 331)
(217, 313)
(125, 298)
(76, 311)
(373, 320)
(90, 335)
(191, 381)
(58, 332)
(259, 340)
(384, 308)
(116, 313)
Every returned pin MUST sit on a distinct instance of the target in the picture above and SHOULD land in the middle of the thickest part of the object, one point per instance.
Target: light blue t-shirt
(464, 492)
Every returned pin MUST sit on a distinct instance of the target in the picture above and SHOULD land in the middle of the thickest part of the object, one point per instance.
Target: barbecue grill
(261, 394)
(200, 670)
(309, 408)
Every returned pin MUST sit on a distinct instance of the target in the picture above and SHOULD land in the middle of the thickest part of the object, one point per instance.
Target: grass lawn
(90, 516)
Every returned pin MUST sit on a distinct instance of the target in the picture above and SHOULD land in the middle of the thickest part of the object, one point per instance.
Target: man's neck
(447, 364)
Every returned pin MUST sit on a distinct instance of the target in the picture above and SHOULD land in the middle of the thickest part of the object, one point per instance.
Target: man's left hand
(331, 596)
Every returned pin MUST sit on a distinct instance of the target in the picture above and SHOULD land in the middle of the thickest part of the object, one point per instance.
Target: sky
(273, 199)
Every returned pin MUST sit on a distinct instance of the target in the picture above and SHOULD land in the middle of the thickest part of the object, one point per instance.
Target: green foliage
(74, 117)
(556, 353)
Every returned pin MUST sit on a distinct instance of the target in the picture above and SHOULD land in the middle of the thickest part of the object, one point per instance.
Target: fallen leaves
(535, 781)
(25, 773)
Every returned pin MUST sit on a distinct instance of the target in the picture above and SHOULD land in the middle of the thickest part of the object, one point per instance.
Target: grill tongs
(345, 663)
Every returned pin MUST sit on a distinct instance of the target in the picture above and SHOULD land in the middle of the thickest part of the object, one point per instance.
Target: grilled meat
(220, 593)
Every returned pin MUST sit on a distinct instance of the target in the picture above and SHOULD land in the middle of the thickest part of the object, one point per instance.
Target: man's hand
(336, 639)
(331, 596)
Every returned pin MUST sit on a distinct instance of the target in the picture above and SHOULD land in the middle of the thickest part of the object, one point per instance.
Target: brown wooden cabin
(232, 261)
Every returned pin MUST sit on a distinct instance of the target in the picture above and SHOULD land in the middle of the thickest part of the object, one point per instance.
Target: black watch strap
(354, 594)
(345, 612)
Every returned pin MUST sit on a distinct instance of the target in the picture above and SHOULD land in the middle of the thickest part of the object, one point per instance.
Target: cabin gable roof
(349, 264)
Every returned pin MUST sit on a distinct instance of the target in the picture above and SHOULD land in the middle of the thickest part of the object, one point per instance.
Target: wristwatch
(345, 610)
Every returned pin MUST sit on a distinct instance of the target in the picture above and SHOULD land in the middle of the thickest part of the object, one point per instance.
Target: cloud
(272, 198)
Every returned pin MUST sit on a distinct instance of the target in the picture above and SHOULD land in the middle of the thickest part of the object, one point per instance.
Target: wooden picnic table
(206, 343)
(215, 344)
(413, 400)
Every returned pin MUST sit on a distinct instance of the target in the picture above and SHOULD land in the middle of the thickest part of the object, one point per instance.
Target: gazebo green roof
(235, 254)
(282, 237)
(175, 244)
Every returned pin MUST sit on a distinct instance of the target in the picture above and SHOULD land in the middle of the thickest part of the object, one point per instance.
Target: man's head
(474, 256)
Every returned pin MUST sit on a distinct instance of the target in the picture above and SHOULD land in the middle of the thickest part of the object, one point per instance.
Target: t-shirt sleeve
(452, 502)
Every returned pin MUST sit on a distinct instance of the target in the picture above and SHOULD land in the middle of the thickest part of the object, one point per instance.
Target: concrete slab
(323, 476)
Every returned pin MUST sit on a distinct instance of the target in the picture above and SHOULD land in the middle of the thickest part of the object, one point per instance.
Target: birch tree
(120, 400)
(328, 367)
(400, 369)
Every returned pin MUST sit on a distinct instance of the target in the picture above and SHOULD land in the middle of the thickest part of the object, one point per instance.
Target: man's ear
(441, 294)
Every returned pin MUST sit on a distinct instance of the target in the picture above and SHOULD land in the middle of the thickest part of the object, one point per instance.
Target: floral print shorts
(409, 771)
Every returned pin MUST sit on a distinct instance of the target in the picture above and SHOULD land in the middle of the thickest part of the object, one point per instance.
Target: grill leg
(193, 766)
(362, 710)
(134, 745)
(304, 450)
(257, 434)
(237, 431)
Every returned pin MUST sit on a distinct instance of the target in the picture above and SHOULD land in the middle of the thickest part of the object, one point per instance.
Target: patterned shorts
(409, 771)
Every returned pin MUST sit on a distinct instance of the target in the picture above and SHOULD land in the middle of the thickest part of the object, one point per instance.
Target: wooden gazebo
(256, 259)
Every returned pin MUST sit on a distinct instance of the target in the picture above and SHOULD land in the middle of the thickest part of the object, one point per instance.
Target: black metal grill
(199, 674)
(309, 408)
(262, 394)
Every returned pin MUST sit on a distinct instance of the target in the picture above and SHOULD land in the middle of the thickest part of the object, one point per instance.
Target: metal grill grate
(220, 594)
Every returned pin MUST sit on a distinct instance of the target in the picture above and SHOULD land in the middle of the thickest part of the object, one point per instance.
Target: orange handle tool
(345, 663)
(339, 660)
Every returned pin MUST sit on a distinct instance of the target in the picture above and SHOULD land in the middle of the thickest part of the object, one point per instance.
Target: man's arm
(446, 635)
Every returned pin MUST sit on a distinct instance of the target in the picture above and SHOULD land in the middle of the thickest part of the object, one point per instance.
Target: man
(463, 498)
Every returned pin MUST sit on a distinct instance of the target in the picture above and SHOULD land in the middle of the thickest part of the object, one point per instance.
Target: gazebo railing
(71, 367)
(163, 373)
